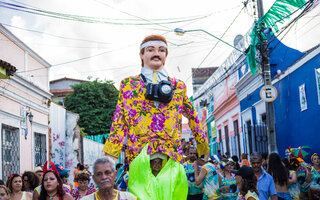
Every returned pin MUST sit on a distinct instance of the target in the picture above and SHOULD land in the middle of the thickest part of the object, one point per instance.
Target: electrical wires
(96, 20)
(53, 35)
(217, 41)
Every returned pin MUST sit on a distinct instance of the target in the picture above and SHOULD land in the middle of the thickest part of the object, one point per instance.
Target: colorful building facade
(24, 107)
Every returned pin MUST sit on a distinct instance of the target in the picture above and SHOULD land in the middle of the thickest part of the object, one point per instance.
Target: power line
(63, 46)
(216, 42)
(87, 19)
(223, 77)
(309, 4)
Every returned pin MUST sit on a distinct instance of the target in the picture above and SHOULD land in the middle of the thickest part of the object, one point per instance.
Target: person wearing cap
(266, 186)
(227, 180)
(247, 183)
(64, 175)
(208, 175)
(149, 112)
(38, 170)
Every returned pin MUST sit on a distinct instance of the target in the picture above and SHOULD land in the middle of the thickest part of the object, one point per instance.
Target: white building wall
(92, 151)
(57, 125)
(260, 109)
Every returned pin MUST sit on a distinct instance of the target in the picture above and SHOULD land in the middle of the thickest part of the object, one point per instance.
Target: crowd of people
(262, 177)
(50, 182)
(218, 177)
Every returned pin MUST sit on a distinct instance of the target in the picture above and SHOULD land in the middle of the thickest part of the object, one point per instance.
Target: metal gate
(256, 138)
(40, 152)
(10, 151)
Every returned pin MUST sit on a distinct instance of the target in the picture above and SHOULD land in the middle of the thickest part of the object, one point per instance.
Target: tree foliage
(95, 102)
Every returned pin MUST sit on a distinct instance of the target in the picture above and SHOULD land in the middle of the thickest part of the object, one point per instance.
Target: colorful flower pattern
(142, 122)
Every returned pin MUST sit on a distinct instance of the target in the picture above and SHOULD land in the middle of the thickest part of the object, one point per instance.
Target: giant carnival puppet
(148, 119)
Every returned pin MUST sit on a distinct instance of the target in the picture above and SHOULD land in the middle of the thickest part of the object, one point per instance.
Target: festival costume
(315, 183)
(294, 189)
(211, 182)
(159, 125)
(248, 195)
(141, 121)
(193, 189)
(228, 182)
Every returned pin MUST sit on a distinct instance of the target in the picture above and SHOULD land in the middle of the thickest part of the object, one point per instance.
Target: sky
(108, 48)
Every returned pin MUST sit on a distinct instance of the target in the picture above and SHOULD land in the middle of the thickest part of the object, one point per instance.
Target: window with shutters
(10, 151)
(40, 152)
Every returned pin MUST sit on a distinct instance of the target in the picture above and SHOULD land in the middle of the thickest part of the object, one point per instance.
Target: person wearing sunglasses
(227, 181)
(30, 181)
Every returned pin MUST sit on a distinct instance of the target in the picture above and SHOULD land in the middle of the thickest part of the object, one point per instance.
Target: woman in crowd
(83, 189)
(247, 183)
(51, 186)
(227, 181)
(280, 175)
(315, 177)
(15, 188)
(294, 187)
(4, 193)
(30, 181)
(209, 177)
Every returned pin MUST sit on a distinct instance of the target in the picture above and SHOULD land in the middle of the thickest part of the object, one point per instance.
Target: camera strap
(145, 79)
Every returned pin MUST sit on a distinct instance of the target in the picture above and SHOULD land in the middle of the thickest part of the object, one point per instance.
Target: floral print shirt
(141, 122)
(76, 194)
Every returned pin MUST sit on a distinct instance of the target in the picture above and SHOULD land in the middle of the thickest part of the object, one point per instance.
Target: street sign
(268, 93)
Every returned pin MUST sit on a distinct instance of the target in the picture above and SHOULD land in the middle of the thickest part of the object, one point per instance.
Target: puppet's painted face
(156, 164)
(154, 57)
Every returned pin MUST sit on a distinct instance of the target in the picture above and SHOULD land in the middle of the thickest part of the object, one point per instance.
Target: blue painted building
(297, 121)
(297, 107)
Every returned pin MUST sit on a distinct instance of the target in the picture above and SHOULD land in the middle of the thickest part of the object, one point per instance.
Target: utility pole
(266, 74)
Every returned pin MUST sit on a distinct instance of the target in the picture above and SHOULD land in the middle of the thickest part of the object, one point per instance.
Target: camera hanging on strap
(162, 92)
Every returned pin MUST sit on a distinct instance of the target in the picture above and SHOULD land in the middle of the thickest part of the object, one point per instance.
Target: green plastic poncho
(170, 184)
